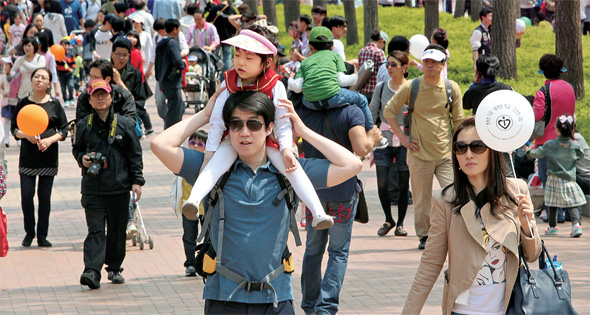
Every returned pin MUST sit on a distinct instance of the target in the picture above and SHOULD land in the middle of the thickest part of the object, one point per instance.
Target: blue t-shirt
(342, 119)
(72, 12)
(256, 231)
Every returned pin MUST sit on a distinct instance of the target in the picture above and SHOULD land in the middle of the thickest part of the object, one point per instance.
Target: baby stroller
(201, 78)
(141, 237)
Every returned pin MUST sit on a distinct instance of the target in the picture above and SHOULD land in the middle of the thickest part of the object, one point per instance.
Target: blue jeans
(224, 51)
(160, 102)
(344, 96)
(174, 107)
(321, 296)
(66, 82)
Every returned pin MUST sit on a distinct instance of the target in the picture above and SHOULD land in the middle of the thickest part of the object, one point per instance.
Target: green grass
(407, 22)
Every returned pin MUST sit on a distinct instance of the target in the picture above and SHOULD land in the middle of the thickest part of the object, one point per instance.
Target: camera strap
(112, 131)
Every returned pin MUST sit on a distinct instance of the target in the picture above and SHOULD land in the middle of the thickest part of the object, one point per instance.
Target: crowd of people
(239, 181)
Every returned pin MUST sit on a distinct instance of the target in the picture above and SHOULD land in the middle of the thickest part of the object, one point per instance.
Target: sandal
(399, 231)
(385, 228)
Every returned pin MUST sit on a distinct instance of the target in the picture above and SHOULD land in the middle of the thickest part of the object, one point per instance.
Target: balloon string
(518, 187)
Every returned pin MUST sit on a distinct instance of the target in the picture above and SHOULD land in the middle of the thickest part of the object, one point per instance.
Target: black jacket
(477, 92)
(123, 103)
(124, 155)
(134, 82)
(168, 59)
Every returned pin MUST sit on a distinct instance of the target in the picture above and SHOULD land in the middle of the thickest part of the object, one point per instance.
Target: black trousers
(222, 307)
(98, 248)
(27, 192)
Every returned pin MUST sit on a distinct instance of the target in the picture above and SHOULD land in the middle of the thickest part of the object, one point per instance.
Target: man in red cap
(110, 156)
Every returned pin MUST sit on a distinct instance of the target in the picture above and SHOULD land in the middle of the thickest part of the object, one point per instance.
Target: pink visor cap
(252, 41)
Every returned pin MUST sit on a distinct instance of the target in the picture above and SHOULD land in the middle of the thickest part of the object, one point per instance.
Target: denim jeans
(66, 82)
(160, 102)
(224, 51)
(344, 96)
(321, 296)
(174, 107)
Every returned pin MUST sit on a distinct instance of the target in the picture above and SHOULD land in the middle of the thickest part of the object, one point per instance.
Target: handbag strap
(557, 280)
(327, 121)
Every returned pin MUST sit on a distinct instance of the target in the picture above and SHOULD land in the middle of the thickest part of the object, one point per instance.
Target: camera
(97, 162)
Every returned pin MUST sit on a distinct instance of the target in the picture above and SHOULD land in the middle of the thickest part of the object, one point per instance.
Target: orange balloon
(32, 120)
(58, 51)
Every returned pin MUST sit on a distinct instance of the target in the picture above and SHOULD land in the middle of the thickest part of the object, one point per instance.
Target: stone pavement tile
(39, 281)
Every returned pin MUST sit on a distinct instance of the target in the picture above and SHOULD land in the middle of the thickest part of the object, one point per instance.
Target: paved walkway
(40, 281)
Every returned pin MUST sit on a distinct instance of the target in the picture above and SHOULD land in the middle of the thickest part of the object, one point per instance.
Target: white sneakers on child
(383, 143)
(322, 222)
(576, 230)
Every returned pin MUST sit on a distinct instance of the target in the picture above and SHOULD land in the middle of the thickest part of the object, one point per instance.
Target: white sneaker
(576, 230)
(383, 143)
(543, 215)
(322, 222)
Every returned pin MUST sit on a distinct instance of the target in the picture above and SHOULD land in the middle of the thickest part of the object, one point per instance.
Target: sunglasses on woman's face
(253, 125)
(392, 64)
(477, 147)
(196, 143)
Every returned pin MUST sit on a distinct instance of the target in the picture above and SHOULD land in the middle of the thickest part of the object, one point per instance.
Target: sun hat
(138, 18)
(252, 41)
(433, 54)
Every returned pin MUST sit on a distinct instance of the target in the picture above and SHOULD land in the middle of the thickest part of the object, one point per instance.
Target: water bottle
(556, 263)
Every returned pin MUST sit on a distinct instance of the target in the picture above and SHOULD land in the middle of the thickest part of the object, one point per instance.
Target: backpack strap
(547, 113)
(212, 199)
(291, 199)
(413, 96)
(449, 89)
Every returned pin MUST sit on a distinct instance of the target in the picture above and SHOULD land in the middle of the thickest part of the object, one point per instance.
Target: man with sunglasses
(256, 224)
(429, 144)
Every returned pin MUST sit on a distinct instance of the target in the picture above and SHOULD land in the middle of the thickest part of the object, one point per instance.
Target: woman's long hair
(496, 187)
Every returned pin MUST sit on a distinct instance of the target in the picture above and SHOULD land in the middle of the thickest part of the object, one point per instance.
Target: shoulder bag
(541, 291)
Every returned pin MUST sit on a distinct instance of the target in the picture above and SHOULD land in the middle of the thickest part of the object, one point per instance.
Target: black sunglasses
(391, 64)
(477, 147)
(252, 124)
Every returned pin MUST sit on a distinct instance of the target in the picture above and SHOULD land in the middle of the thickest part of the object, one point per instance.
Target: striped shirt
(208, 36)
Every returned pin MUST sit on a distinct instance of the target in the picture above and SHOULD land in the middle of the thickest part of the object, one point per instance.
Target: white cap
(7, 60)
(433, 54)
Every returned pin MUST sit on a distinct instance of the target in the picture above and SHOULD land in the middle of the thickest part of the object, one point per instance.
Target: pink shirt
(563, 101)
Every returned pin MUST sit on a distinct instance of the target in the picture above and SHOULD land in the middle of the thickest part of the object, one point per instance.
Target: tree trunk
(430, 17)
(475, 8)
(371, 18)
(568, 43)
(270, 10)
(253, 5)
(292, 12)
(352, 34)
(504, 37)
(460, 8)
(319, 3)
(409, 3)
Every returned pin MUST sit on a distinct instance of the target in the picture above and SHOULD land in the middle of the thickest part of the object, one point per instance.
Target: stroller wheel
(151, 242)
(134, 239)
(140, 240)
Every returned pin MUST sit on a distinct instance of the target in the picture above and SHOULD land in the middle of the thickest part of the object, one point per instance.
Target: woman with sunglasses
(397, 66)
(481, 215)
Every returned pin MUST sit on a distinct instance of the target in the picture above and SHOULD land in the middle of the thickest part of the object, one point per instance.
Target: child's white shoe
(190, 210)
(576, 230)
(322, 222)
